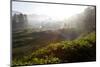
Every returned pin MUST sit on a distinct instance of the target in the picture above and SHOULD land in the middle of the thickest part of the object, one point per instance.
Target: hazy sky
(52, 10)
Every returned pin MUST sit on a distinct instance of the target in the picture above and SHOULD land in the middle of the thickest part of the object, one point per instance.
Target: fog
(51, 16)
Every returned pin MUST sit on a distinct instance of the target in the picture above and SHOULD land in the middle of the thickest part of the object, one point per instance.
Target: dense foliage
(80, 49)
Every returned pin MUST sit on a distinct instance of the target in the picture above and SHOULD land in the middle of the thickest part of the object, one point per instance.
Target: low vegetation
(80, 49)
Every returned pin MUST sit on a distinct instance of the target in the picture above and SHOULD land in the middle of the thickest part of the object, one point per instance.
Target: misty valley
(41, 39)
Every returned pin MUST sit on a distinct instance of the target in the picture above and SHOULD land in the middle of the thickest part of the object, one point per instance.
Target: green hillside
(80, 49)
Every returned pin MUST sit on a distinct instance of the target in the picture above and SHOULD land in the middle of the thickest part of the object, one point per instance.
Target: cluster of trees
(85, 21)
(19, 21)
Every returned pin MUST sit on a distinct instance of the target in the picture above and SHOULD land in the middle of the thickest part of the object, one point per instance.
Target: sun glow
(55, 11)
(60, 11)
